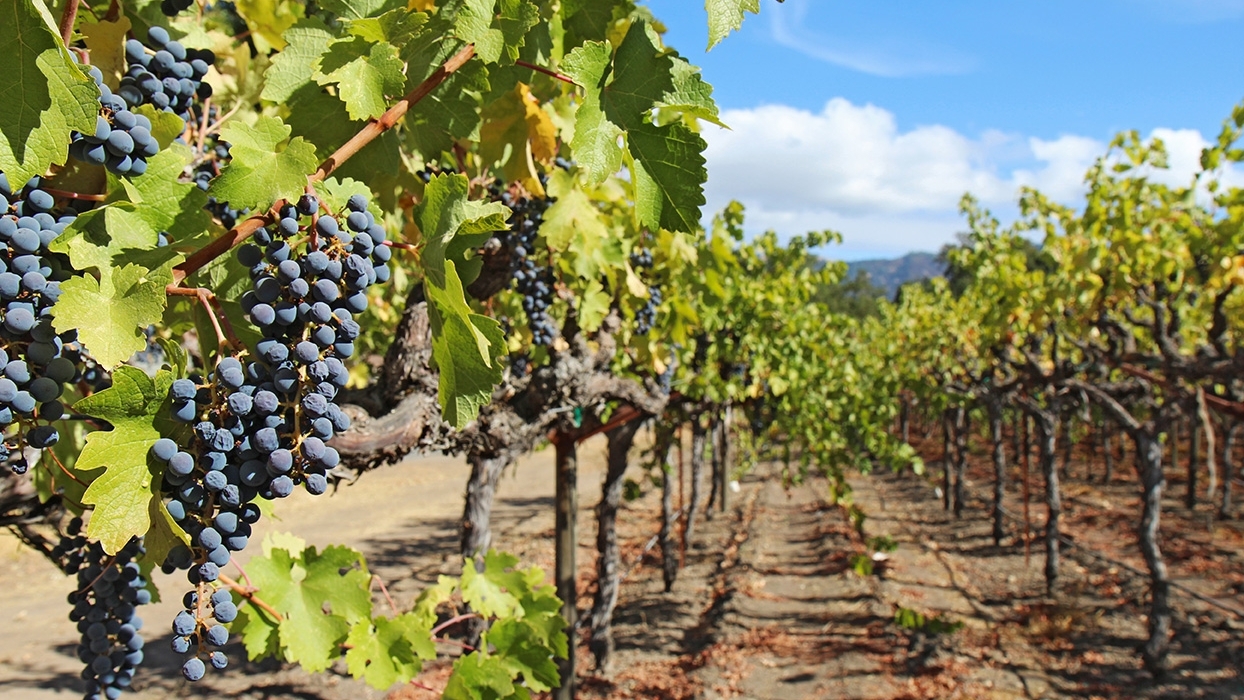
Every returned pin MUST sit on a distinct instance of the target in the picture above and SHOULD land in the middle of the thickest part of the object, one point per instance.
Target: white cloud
(850, 168)
(888, 57)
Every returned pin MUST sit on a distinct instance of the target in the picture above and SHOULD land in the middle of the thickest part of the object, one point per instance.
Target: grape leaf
(466, 348)
(292, 68)
(385, 651)
(268, 19)
(166, 127)
(516, 131)
(357, 9)
(110, 313)
(595, 143)
(448, 113)
(496, 27)
(673, 175)
(494, 592)
(365, 74)
(725, 16)
(480, 677)
(322, 119)
(524, 652)
(44, 95)
(396, 26)
(452, 224)
(301, 586)
(689, 95)
(106, 42)
(641, 78)
(267, 165)
(166, 203)
(572, 215)
(127, 493)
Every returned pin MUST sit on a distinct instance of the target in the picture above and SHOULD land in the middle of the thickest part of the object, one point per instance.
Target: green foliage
(326, 612)
(126, 495)
(267, 165)
(725, 16)
(46, 96)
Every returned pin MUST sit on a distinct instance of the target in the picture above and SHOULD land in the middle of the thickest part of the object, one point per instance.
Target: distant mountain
(891, 274)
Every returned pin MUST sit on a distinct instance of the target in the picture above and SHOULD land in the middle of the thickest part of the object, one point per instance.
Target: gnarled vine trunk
(607, 564)
(698, 437)
(1047, 427)
(1230, 430)
(567, 508)
(669, 547)
(1149, 465)
(480, 493)
(962, 429)
(999, 468)
(1193, 465)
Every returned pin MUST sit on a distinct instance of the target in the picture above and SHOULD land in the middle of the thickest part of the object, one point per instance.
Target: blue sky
(873, 117)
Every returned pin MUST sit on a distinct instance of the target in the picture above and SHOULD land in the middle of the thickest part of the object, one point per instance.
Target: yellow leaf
(106, 42)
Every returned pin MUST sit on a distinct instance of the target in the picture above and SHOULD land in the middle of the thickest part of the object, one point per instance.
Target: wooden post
(567, 497)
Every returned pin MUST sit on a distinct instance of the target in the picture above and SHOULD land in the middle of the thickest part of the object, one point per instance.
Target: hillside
(891, 274)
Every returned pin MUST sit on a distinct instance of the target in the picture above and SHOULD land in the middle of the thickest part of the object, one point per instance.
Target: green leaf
(452, 224)
(572, 215)
(725, 16)
(689, 95)
(357, 9)
(266, 164)
(595, 144)
(673, 174)
(364, 72)
(641, 78)
(163, 200)
(480, 677)
(385, 651)
(322, 119)
(44, 95)
(495, 591)
(524, 651)
(320, 597)
(165, 126)
(127, 494)
(466, 348)
(496, 27)
(111, 313)
(465, 345)
(395, 27)
(106, 42)
(268, 20)
(448, 113)
(292, 68)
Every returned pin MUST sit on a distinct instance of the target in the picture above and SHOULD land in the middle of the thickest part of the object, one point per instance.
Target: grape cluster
(647, 315)
(122, 140)
(261, 429)
(35, 361)
(110, 589)
(642, 259)
(169, 78)
(535, 282)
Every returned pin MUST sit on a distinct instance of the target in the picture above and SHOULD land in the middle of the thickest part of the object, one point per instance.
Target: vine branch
(249, 595)
(67, 19)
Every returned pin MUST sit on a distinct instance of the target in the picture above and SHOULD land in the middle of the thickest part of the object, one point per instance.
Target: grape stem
(225, 337)
(452, 621)
(453, 643)
(366, 135)
(104, 570)
(62, 467)
(423, 686)
(546, 71)
(242, 571)
(75, 195)
(67, 19)
(248, 593)
(392, 606)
